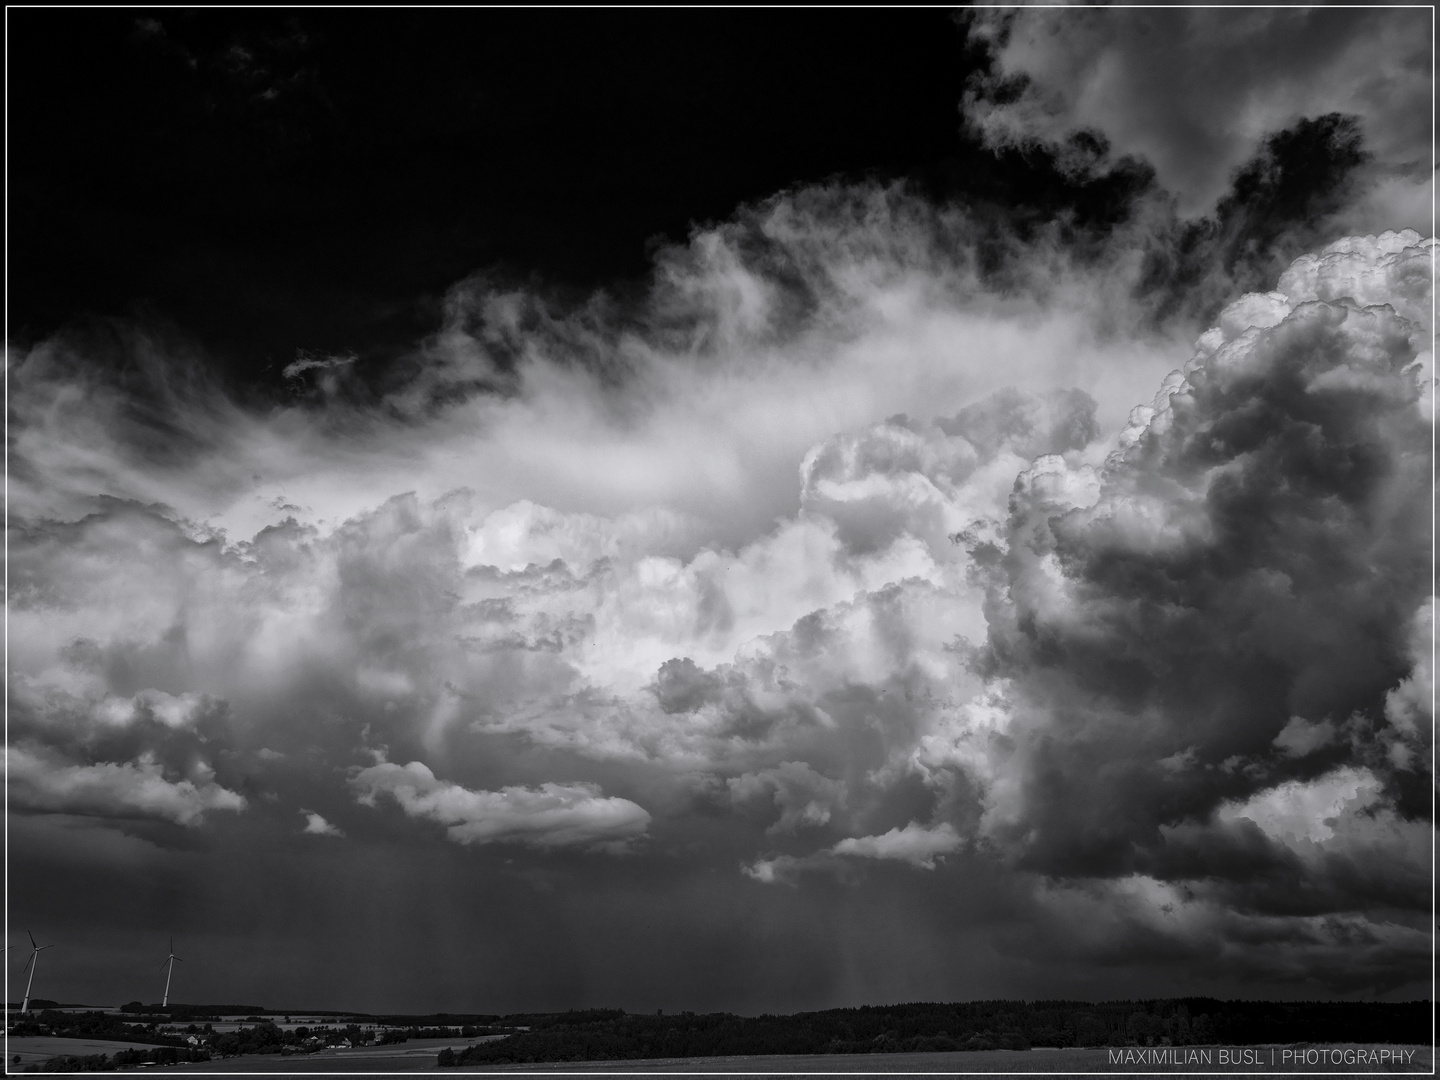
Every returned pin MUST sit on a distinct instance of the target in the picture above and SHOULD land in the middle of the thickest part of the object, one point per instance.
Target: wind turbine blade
(32, 940)
(29, 962)
(164, 965)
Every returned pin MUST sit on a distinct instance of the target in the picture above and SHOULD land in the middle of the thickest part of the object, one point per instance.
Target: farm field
(1038, 1062)
(413, 1056)
(33, 1049)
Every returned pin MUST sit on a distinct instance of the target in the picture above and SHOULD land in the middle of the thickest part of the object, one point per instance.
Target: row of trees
(194, 1012)
(121, 1059)
(612, 1035)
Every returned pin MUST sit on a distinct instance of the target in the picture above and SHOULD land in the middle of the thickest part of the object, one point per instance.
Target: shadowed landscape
(1193, 1033)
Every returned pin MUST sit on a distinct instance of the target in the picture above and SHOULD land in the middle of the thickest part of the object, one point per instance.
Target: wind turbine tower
(32, 964)
(169, 963)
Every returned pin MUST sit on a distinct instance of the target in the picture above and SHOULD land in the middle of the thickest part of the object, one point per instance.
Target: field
(33, 1049)
(420, 1055)
(412, 1056)
(1038, 1062)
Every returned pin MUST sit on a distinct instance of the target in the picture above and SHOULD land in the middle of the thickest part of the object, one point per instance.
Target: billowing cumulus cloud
(316, 825)
(912, 844)
(917, 845)
(835, 564)
(1194, 92)
(552, 815)
(1200, 662)
(1296, 810)
(39, 781)
(679, 424)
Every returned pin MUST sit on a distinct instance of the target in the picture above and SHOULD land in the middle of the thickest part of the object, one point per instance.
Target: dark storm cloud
(1109, 925)
(1221, 145)
(1193, 92)
(1194, 650)
(803, 796)
(96, 731)
(555, 659)
(710, 629)
(1185, 677)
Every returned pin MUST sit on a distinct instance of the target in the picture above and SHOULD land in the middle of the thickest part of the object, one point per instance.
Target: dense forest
(613, 1035)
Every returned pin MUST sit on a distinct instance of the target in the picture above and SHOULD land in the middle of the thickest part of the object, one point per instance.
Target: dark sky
(272, 181)
(719, 510)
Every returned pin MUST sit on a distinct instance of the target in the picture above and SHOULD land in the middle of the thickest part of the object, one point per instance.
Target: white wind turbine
(170, 963)
(32, 964)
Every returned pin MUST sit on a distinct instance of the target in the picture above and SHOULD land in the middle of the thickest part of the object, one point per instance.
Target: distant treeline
(258, 1013)
(614, 1035)
(430, 1020)
(194, 1012)
(89, 1025)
